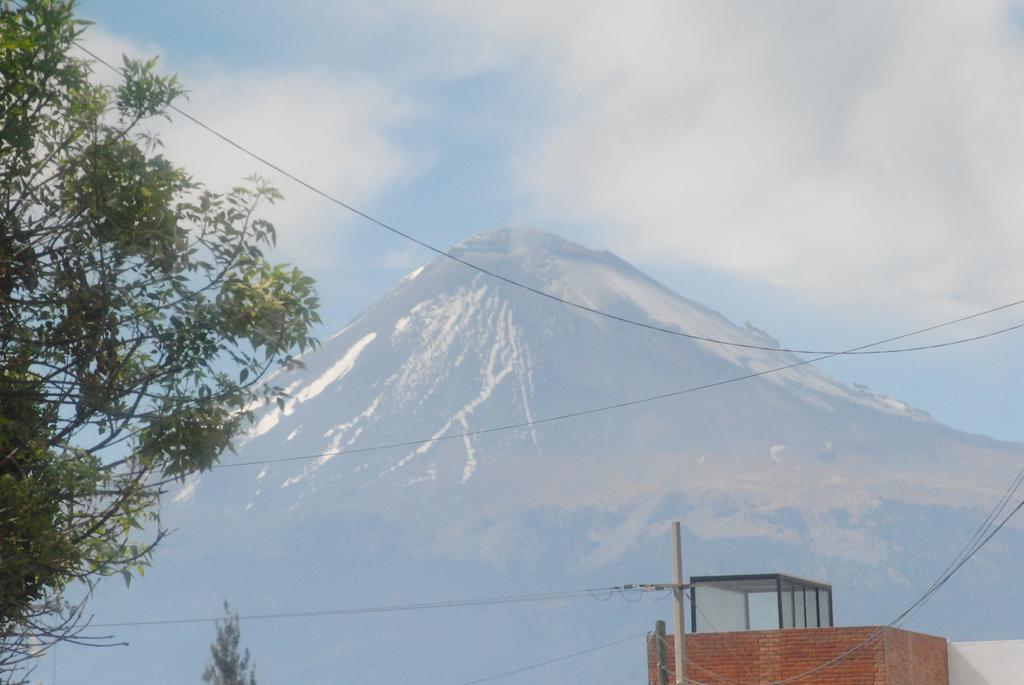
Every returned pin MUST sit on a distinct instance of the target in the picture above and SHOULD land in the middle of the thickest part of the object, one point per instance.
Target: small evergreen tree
(229, 666)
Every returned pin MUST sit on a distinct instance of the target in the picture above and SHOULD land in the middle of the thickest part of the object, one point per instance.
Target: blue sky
(833, 174)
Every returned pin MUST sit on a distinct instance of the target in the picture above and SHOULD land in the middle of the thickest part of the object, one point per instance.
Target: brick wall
(896, 657)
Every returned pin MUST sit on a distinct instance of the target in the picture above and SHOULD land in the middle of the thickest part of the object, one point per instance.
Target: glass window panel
(825, 602)
(811, 602)
(763, 609)
(720, 609)
(798, 607)
(787, 605)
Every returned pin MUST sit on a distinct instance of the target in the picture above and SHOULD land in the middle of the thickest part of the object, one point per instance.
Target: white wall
(998, 662)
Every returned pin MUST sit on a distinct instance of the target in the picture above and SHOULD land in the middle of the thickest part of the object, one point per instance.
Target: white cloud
(859, 151)
(865, 151)
(332, 130)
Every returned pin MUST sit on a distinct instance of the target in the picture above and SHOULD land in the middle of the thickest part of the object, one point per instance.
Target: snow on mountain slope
(451, 351)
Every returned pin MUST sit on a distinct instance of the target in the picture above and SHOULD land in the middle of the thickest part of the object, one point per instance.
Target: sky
(834, 173)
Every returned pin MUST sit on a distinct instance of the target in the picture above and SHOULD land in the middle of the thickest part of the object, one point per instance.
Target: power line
(906, 614)
(524, 286)
(977, 541)
(973, 546)
(555, 660)
(390, 608)
(582, 412)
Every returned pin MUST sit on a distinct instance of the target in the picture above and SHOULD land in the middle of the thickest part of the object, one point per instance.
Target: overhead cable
(390, 608)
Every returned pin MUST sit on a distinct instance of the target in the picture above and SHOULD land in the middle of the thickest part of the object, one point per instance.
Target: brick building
(893, 657)
(766, 628)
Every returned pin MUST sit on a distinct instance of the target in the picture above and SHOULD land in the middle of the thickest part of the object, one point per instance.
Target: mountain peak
(518, 242)
(451, 351)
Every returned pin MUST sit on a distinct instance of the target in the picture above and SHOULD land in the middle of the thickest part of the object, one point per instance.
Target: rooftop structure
(765, 601)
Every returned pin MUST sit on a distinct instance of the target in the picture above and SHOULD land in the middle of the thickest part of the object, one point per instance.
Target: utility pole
(662, 652)
(677, 591)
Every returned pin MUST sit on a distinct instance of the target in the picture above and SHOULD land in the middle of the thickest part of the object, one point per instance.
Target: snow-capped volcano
(451, 351)
(789, 471)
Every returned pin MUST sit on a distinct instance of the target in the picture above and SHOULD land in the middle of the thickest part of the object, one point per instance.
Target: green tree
(227, 665)
(139, 320)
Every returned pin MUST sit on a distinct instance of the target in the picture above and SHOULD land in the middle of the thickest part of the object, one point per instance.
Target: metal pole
(677, 591)
(662, 652)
